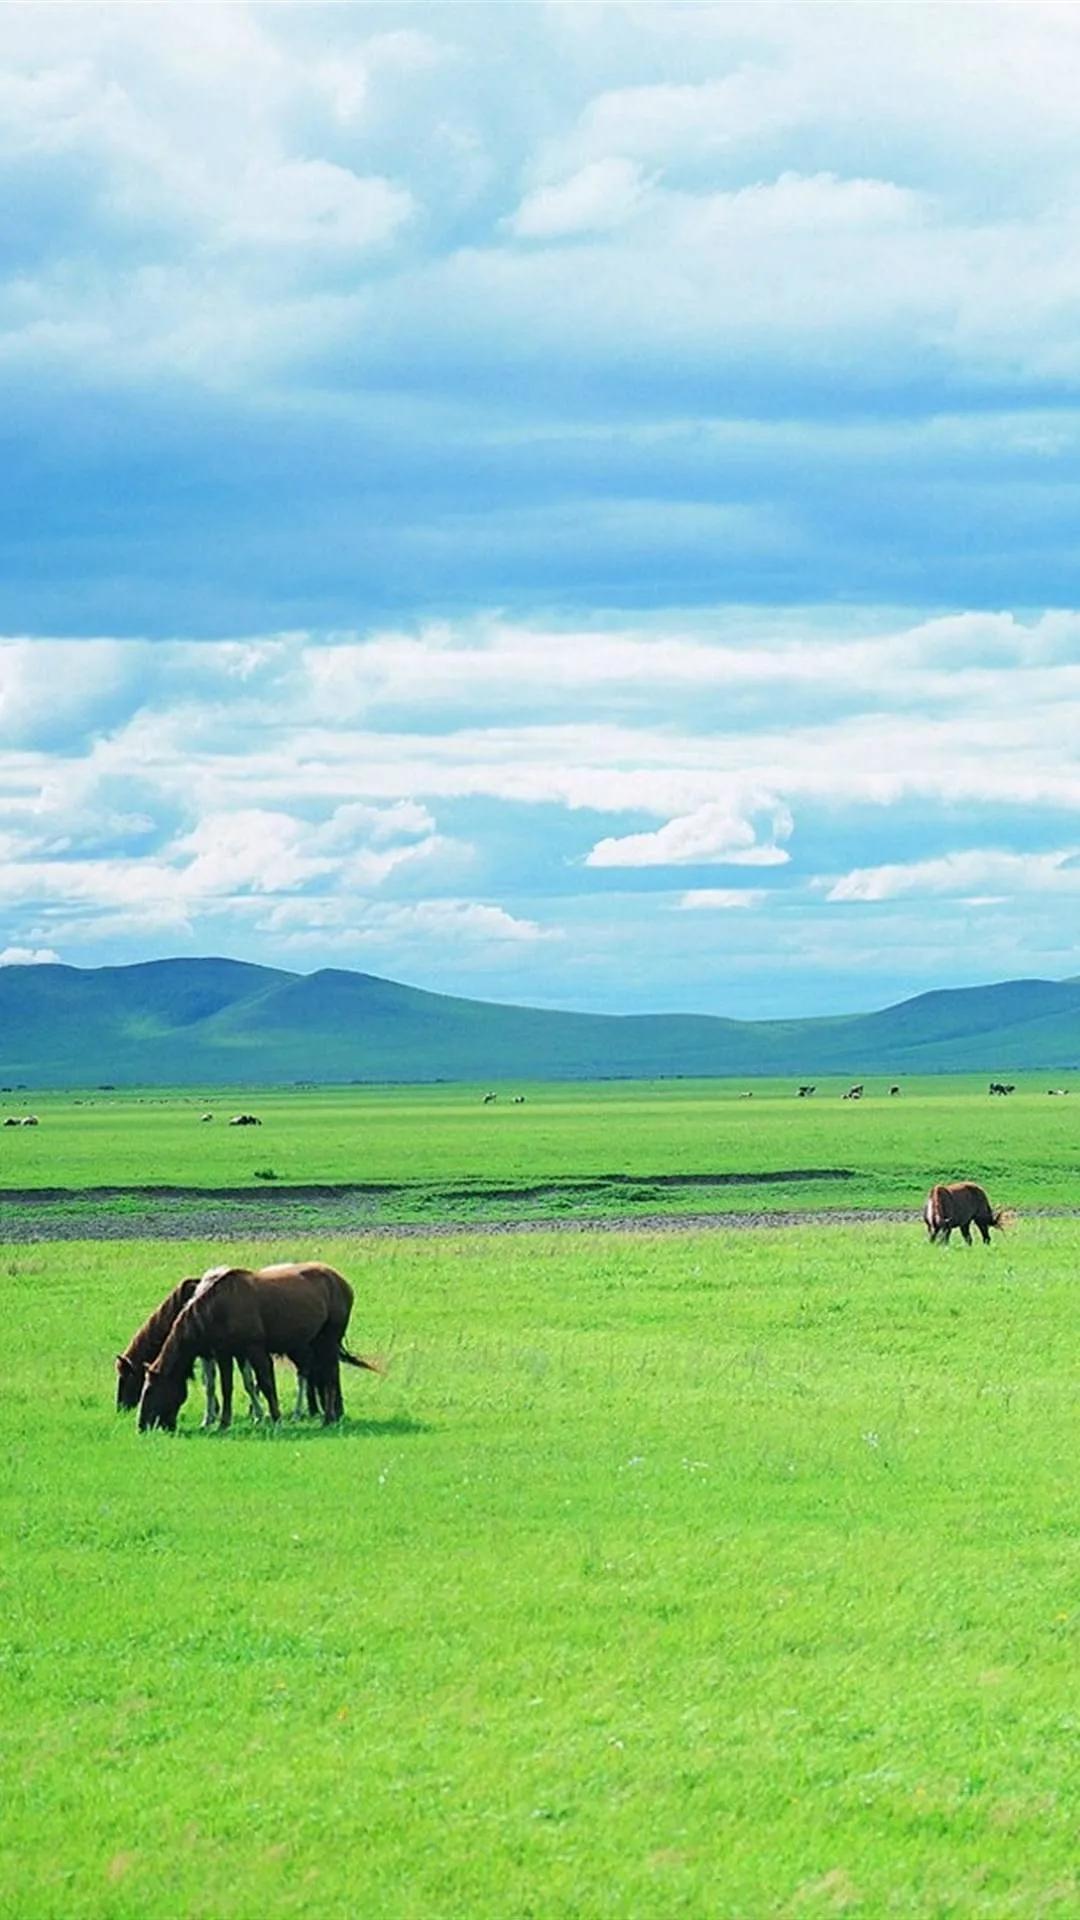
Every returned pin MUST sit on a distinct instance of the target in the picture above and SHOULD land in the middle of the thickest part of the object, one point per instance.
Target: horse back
(969, 1203)
(323, 1282)
(281, 1308)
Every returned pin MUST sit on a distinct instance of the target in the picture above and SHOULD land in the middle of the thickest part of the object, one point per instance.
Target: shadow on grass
(395, 1426)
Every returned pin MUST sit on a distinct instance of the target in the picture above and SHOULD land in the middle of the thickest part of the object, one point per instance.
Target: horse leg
(966, 1231)
(327, 1371)
(251, 1388)
(333, 1406)
(263, 1368)
(985, 1231)
(225, 1369)
(209, 1375)
(303, 1391)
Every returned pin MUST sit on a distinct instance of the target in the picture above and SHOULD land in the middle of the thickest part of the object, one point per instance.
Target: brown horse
(147, 1343)
(961, 1204)
(300, 1310)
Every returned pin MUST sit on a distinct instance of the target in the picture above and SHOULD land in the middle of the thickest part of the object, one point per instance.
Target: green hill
(206, 1022)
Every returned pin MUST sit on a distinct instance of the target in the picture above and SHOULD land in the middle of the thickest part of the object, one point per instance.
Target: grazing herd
(234, 1315)
(240, 1317)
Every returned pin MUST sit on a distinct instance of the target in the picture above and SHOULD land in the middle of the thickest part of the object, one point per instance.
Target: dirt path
(265, 1221)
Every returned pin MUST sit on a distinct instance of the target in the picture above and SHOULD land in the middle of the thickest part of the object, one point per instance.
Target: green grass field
(720, 1575)
(440, 1154)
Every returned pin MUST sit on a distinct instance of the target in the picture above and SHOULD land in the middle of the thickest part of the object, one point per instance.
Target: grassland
(726, 1575)
(352, 1157)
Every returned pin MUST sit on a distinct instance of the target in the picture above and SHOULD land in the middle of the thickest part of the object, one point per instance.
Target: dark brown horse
(147, 1343)
(300, 1310)
(961, 1204)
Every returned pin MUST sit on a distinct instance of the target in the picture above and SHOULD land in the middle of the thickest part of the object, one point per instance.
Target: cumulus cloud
(29, 957)
(313, 203)
(600, 196)
(713, 833)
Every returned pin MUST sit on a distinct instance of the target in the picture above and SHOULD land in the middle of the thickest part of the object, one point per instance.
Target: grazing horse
(963, 1205)
(145, 1346)
(300, 1310)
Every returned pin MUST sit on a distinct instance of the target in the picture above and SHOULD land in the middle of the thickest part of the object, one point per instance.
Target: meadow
(721, 1573)
(420, 1154)
(725, 1574)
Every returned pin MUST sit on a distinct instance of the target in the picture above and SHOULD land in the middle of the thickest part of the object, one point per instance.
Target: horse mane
(181, 1343)
(146, 1344)
(219, 1281)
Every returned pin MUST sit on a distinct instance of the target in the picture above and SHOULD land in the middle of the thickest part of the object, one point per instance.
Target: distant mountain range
(223, 1022)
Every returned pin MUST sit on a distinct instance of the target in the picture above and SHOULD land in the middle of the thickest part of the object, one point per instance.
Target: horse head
(162, 1397)
(129, 1383)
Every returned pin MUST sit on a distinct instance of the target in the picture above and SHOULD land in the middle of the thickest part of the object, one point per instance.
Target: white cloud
(312, 203)
(712, 833)
(350, 924)
(28, 957)
(720, 899)
(666, 123)
(251, 850)
(602, 195)
(463, 920)
(957, 874)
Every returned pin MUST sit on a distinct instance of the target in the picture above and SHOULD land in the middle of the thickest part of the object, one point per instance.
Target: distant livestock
(205, 1116)
(893, 1090)
(518, 1100)
(961, 1204)
(489, 1099)
(998, 1086)
(21, 1120)
(1057, 1093)
(854, 1093)
(805, 1092)
(245, 1120)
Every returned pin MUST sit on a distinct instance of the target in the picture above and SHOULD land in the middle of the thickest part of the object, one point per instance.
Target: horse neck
(182, 1344)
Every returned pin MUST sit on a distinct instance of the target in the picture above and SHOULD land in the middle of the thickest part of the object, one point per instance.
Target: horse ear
(123, 1364)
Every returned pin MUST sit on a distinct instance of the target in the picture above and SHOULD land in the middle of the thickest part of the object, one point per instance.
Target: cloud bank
(494, 492)
(418, 801)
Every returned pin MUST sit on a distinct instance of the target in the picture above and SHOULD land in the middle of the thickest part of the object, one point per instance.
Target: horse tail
(367, 1361)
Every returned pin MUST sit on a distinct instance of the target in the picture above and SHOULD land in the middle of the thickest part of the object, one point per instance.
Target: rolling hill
(224, 1022)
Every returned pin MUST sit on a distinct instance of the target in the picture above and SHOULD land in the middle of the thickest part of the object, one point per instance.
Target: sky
(559, 503)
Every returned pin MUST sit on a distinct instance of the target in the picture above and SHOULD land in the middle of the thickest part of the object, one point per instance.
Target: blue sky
(563, 503)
